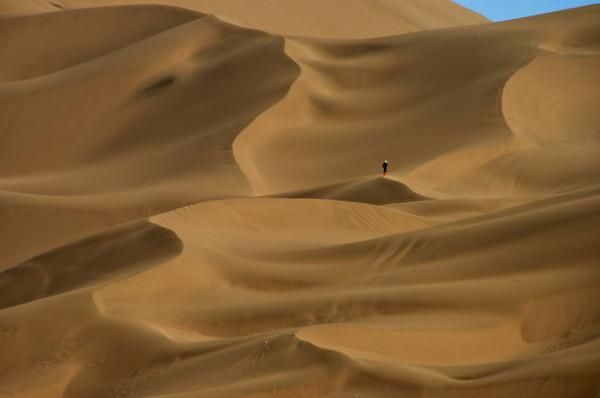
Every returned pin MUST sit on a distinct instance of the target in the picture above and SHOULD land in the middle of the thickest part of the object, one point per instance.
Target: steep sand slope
(470, 271)
(440, 124)
(44, 44)
(121, 124)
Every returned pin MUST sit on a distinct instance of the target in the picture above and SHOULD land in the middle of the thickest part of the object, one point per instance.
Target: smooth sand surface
(313, 18)
(191, 202)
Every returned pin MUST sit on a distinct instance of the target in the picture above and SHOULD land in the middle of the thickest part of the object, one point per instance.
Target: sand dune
(370, 99)
(103, 154)
(312, 18)
(26, 7)
(374, 190)
(192, 205)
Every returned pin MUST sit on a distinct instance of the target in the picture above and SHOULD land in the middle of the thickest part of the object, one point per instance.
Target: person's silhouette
(384, 166)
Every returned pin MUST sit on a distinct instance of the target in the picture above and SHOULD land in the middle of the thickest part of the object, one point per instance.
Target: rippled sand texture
(191, 205)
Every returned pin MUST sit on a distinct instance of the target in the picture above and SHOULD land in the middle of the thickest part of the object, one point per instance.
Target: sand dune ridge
(191, 202)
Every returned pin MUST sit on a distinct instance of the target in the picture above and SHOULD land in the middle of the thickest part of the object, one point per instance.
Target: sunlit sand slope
(374, 190)
(449, 127)
(118, 124)
(313, 18)
(313, 298)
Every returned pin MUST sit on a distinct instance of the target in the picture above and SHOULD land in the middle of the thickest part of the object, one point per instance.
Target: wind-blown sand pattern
(191, 205)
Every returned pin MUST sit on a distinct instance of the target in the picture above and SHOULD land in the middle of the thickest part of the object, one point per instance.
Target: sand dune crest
(191, 200)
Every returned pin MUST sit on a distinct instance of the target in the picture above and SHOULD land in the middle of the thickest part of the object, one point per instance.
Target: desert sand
(191, 201)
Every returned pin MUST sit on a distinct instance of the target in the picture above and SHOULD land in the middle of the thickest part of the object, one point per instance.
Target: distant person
(384, 166)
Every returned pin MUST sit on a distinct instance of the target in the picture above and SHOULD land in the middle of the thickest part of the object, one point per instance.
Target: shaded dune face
(56, 41)
(193, 208)
(100, 258)
(168, 68)
(375, 308)
(381, 97)
(465, 124)
(141, 123)
(26, 7)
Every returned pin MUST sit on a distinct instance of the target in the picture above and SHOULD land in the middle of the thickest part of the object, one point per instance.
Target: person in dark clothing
(384, 166)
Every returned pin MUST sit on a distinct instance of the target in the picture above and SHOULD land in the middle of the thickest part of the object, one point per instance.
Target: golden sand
(191, 202)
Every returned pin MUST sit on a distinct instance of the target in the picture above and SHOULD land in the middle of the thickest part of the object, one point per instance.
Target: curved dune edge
(312, 18)
(484, 283)
(423, 347)
(372, 190)
(146, 140)
(53, 47)
(329, 313)
(335, 107)
(548, 106)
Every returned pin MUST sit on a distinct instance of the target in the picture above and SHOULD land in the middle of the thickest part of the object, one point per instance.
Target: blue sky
(500, 10)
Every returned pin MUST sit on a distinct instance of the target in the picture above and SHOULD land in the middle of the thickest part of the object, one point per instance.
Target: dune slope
(191, 205)
(130, 128)
(313, 18)
(356, 103)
